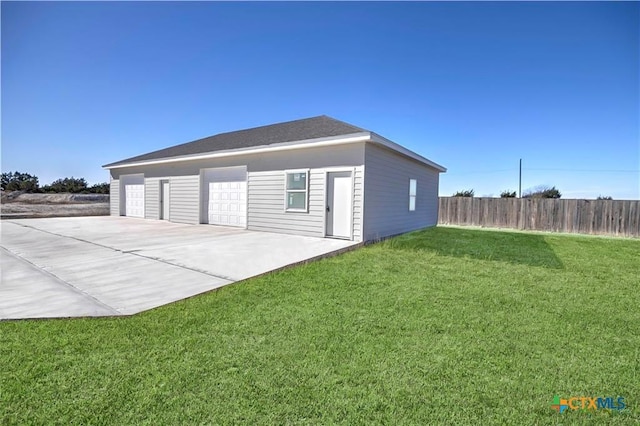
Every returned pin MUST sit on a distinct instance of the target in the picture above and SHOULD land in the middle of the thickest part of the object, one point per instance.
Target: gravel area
(21, 205)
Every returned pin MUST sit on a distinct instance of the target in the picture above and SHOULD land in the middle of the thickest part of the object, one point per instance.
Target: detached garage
(318, 176)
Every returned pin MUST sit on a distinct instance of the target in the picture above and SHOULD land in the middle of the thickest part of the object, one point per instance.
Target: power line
(583, 170)
(542, 170)
(480, 172)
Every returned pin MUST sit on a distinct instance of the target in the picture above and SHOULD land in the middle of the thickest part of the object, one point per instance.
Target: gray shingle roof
(298, 130)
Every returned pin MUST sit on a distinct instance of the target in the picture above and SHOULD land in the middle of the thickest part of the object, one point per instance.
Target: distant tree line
(537, 192)
(17, 181)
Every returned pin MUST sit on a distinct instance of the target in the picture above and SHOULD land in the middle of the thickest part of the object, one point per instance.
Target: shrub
(508, 194)
(604, 197)
(466, 193)
(542, 192)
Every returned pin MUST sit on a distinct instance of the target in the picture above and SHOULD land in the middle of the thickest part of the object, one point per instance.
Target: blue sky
(472, 86)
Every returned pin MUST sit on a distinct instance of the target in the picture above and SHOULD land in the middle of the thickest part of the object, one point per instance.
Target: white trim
(308, 143)
(162, 201)
(241, 166)
(364, 201)
(353, 200)
(301, 144)
(352, 172)
(413, 197)
(402, 150)
(246, 198)
(337, 169)
(204, 212)
(306, 190)
(326, 171)
(325, 190)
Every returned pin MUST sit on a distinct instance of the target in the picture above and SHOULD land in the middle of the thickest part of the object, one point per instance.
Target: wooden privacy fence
(607, 217)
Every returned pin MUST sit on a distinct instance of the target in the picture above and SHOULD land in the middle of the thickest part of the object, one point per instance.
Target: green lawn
(447, 325)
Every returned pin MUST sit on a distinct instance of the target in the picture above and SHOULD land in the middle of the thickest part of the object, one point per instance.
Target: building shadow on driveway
(512, 247)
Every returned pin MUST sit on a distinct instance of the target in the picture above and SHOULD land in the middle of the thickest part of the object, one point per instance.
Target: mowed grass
(442, 326)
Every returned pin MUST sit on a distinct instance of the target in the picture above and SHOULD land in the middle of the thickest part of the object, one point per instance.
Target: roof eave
(301, 144)
(376, 138)
(307, 143)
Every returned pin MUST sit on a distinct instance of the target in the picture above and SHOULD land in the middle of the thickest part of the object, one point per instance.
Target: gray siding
(152, 198)
(386, 194)
(266, 209)
(114, 197)
(185, 199)
(311, 158)
(358, 203)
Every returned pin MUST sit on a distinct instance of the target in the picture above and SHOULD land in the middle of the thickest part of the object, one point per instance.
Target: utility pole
(520, 181)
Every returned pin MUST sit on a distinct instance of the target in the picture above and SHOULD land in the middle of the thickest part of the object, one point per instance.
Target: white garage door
(228, 203)
(134, 200)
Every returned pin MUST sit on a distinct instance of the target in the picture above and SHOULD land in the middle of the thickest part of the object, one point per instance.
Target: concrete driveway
(99, 266)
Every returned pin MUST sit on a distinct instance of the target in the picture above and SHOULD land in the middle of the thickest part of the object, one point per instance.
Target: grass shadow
(511, 247)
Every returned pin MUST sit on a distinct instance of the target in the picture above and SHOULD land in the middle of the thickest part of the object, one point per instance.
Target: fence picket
(604, 217)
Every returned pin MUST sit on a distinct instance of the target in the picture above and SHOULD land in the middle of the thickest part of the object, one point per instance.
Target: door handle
(328, 209)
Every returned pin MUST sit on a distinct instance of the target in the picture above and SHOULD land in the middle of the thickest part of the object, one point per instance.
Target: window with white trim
(413, 185)
(296, 190)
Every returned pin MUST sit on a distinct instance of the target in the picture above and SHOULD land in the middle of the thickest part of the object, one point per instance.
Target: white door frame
(165, 202)
(352, 172)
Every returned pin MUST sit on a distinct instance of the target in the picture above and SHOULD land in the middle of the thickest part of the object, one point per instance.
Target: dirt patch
(17, 204)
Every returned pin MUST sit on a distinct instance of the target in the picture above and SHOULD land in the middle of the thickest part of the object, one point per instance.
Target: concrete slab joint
(104, 266)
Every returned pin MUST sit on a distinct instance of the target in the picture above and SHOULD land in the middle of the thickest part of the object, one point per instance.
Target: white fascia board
(375, 138)
(308, 143)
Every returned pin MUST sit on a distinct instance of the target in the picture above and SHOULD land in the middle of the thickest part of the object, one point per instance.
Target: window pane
(297, 180)
(412, 187)
(296, 200)
(412, 203)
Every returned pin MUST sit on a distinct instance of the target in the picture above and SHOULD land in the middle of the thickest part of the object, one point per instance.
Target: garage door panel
(134, 200)
(227, 203)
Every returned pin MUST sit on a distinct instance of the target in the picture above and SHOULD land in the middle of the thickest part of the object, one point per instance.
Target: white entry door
(164, 200)
(134, 200)
(339, 203)
(228, 203)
